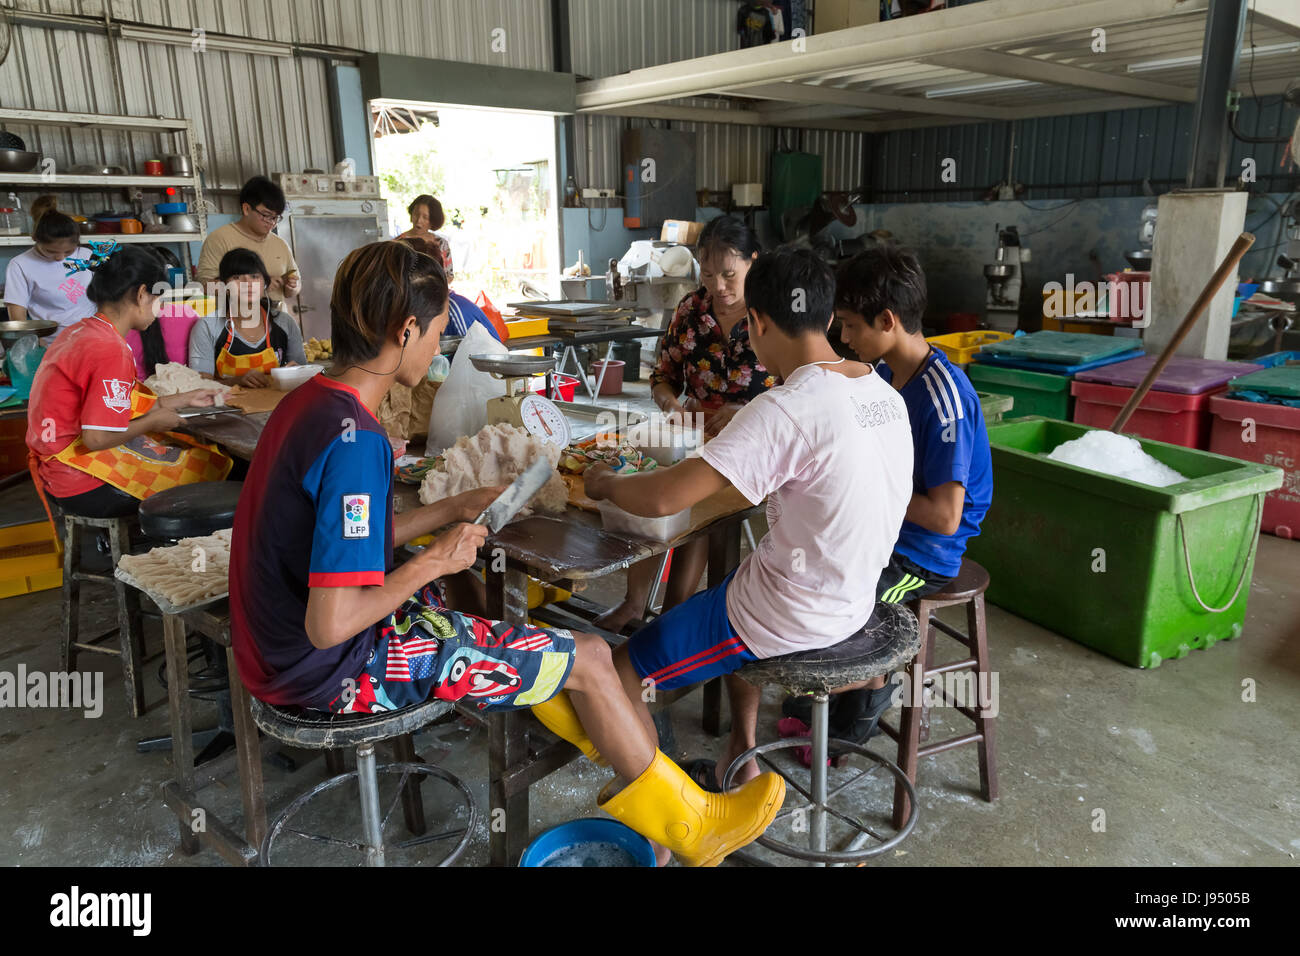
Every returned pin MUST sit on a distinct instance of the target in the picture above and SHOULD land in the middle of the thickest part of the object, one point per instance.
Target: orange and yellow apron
(234, 366)
(147, 464)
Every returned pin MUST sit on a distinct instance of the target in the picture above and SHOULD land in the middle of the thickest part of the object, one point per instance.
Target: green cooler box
(1177, 560)
(1034, 393)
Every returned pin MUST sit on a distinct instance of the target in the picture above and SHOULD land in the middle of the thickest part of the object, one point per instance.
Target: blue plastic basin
(572, 836)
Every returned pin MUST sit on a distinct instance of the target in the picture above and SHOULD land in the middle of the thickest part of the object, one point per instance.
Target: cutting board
(254, 399)
(1064, 348)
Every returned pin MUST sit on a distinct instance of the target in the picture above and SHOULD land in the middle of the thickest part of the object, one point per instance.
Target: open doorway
(494, 174)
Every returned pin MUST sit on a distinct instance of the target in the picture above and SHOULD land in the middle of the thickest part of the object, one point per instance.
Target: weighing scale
(536, 414)
(10, 333)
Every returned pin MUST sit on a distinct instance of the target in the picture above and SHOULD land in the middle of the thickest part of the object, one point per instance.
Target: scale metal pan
(512, 363)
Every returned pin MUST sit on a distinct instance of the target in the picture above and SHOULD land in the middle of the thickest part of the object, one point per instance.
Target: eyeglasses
(270, 218)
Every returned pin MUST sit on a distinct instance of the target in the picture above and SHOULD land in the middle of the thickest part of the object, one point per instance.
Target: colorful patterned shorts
(426, 651)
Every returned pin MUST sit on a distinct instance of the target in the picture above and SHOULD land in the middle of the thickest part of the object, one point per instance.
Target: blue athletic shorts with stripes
(691, 643)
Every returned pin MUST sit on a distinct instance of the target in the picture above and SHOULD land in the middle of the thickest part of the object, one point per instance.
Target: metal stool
(129, 626)
(967, 588)
(318, 730)
(881, 647)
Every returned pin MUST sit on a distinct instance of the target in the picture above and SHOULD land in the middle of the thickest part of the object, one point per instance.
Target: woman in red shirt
(93, 431)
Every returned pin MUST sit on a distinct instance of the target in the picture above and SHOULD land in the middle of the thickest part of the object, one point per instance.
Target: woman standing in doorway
(427, 218)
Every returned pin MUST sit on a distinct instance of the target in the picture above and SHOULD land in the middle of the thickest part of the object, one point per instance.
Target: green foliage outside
(493, 173)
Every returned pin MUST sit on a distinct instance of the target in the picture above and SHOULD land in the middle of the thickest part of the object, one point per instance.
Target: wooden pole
(1226, 268)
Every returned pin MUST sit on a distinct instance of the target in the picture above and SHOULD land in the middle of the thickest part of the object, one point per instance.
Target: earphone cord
(372, 372)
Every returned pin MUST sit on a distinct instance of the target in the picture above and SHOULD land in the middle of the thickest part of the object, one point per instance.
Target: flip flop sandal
(704, 774)
(793, 727)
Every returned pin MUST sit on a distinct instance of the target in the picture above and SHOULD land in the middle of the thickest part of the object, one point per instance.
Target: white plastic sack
(460, 407)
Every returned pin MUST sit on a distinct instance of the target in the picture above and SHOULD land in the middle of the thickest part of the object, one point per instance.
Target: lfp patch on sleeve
(356, 516)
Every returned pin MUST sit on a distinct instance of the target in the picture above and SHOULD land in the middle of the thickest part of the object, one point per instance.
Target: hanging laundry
(754, 25)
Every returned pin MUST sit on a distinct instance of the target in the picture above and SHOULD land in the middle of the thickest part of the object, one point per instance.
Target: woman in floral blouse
(705, 366)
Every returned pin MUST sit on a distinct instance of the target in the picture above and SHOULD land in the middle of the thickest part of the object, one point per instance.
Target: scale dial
(544, 420)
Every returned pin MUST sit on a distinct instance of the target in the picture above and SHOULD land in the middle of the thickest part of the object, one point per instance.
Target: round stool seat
(322, 730)
(886, 643)
(971, 580)
(190, 511)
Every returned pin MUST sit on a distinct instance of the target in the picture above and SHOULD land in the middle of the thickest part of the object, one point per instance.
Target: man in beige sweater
(262, 204)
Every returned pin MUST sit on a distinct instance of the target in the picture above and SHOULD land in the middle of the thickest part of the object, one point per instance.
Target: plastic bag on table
(23, 359)
(460, 407)
(493, 315)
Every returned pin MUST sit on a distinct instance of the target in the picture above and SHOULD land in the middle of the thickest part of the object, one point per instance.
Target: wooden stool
(318, 730)
(199, 825)
(881, 647)
(966, 588)
(129, 630)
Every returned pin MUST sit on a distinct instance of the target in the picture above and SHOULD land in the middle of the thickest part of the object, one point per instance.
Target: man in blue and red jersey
(323, 617)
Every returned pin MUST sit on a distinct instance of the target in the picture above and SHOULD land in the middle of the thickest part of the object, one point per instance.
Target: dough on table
(497, 455)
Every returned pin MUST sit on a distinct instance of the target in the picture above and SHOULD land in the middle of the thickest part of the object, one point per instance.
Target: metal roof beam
(971, 27)
(861, 100)
(1059, 74)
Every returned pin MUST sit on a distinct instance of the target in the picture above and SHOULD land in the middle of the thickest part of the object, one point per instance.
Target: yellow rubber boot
(668, 807)
(559, 717)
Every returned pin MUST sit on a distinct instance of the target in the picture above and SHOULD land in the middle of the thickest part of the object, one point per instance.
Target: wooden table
(238, 434)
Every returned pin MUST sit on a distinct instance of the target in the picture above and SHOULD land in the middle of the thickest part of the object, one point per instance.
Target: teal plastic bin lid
(1062, 348)
(1283, 381)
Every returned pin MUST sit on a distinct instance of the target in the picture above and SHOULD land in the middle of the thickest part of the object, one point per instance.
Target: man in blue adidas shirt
(880, 298)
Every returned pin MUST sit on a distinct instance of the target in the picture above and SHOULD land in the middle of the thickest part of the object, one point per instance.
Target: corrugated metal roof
(1091, 154)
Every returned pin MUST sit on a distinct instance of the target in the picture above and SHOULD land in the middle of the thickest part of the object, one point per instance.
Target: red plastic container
(1276, 442)
(566, 385)
(1163, 416)
(961, 322)
(1130, 292)
(612, 384)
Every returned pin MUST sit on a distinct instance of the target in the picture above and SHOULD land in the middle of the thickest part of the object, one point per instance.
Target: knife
(208, 411)
(520, 492)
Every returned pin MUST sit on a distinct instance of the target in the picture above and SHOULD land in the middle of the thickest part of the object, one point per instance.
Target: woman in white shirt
(37, 283)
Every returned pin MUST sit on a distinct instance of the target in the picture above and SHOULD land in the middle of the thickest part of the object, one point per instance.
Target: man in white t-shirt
(831, 450)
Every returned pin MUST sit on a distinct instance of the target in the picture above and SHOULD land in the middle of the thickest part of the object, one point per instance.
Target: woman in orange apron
(97, 438)
(246, 336)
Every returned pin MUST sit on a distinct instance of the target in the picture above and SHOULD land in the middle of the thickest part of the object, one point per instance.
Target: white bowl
(287, 379)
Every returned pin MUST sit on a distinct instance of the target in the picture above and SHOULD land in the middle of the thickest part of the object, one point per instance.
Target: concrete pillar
(1194, 231)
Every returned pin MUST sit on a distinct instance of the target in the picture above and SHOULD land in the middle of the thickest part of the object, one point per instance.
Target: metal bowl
(181, 222)
(18, 160)
(11, 332)
(90, 169)
(1139, 260)
(1281, 288)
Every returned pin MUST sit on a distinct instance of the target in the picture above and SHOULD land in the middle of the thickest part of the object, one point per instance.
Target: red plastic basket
(1163, 416)
(1275, 430)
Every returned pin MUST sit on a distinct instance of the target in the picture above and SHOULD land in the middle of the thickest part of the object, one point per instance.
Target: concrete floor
(1184, 771)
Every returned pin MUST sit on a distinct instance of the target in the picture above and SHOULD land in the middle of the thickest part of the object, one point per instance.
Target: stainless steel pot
(178, 165)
